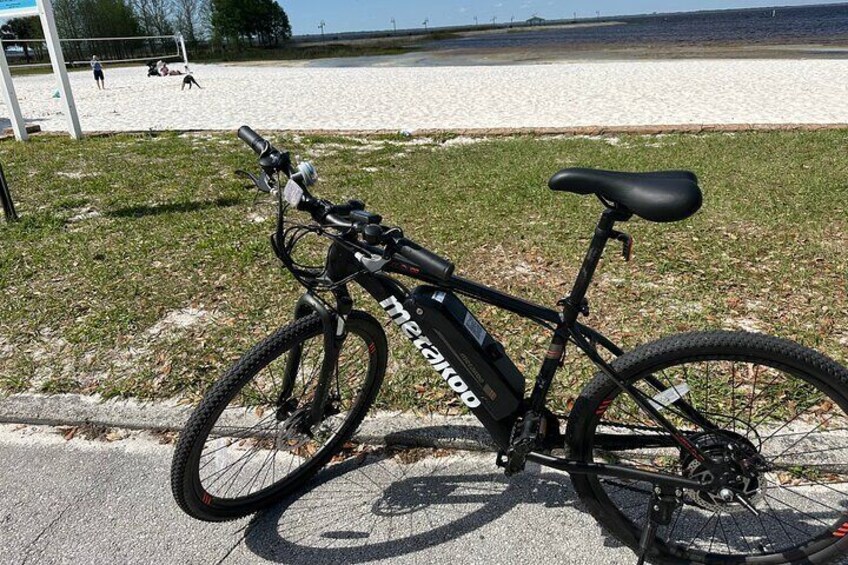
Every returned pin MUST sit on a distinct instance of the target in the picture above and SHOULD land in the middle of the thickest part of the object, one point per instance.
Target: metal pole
(6, 198)
(11, 100)
(183, 47)
(57, 59)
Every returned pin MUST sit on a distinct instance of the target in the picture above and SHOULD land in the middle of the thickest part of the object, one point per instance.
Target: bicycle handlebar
(429, 263)
(353, 215)
(253, 139)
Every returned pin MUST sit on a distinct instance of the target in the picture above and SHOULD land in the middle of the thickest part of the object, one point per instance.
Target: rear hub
(742, 476)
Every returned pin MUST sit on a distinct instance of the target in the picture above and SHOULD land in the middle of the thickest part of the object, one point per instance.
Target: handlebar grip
(429, 263)
(253, 139)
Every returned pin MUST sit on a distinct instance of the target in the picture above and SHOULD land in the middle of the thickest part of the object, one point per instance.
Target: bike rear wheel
(254, 439)
(784, 406)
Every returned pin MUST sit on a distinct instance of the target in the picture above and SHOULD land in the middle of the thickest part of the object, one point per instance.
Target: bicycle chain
(615, 425)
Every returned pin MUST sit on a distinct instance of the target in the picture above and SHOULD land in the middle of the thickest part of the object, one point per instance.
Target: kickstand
(664, 501)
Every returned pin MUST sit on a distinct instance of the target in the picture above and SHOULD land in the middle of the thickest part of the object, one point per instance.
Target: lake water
(804, 24)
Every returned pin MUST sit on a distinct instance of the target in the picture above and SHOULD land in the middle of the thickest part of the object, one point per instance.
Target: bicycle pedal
(511, 462)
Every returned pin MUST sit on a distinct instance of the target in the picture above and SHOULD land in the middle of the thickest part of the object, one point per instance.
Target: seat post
(573, 303)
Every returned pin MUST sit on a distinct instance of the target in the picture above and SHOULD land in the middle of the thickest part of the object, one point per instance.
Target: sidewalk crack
(31, 545)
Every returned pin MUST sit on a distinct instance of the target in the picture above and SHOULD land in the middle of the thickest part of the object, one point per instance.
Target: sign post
(11, 100)
(48, 25)
(43, 9)
(11, 9)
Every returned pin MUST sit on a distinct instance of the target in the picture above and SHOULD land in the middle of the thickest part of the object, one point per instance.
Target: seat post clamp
(567, 303)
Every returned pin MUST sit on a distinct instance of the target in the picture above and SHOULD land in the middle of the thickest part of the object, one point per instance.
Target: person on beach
(97, 67)
(164, 71)
(189, 80)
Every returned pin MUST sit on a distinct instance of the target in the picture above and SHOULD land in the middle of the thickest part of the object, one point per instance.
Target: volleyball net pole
(44, 10)
(185, 51)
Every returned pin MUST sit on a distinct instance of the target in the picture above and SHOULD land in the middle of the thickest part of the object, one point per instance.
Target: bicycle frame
(342, 264)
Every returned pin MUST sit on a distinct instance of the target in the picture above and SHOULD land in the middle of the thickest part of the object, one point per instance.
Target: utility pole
(321, 25)
(575, 16)
(597, 13)
(394, 25)
(426, 21)
(475, 20)
(494, 20)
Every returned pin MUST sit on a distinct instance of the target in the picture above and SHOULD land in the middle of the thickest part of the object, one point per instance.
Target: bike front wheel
(773, 413)
(255, 436)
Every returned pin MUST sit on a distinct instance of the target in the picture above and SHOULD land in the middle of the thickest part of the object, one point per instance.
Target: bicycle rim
(795, 419)
(262, 440)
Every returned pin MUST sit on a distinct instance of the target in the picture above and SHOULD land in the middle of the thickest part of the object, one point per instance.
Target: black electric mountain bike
(707, 447)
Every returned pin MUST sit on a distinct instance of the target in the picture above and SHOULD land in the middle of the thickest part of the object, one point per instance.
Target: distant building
(536, 21)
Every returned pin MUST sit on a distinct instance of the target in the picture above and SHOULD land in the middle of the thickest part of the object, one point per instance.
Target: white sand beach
(559, 95)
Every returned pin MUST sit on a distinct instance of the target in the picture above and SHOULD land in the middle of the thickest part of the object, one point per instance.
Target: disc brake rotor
(748, 485)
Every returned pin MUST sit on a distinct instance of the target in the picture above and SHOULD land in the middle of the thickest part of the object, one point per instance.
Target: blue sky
(358, 15)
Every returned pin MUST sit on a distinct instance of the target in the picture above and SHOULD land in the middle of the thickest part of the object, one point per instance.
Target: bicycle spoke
(249, 450)
(781, 488)
(748, 400)
(741, 532)
(688, 547)
(805, 436)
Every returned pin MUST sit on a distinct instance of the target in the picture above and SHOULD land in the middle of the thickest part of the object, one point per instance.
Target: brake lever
(261, 183)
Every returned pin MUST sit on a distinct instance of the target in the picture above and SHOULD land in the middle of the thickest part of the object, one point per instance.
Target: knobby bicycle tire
(830, 378)
(186, 485)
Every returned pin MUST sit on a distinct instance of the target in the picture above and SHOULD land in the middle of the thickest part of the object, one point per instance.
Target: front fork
(334, 334)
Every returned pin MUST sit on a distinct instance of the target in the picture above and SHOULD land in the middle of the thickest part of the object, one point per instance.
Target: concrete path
(82, 501)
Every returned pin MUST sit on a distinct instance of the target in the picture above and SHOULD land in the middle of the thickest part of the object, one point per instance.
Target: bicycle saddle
(663, 196)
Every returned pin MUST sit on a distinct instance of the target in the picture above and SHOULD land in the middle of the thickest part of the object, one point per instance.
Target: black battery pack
(478, 359)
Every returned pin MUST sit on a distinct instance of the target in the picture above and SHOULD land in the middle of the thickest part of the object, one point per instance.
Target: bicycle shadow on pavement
(385, 505)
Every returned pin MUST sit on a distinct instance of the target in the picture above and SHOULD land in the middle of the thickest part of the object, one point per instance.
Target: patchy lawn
(141, 266)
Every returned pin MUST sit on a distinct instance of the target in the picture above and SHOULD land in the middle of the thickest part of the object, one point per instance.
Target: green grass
(83, 301)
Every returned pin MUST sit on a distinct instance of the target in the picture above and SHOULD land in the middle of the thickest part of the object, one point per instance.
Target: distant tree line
(222, 25)
(24, 28)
